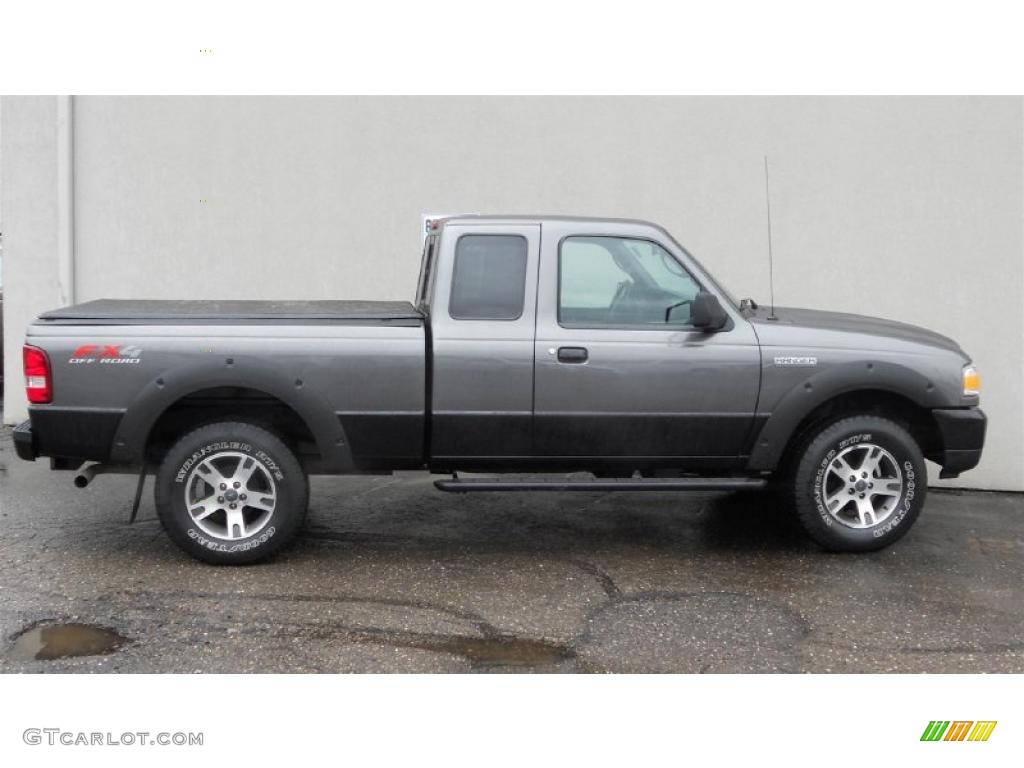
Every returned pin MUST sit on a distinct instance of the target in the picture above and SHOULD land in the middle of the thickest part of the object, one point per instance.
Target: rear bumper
(24, 444)
(963, 436)
(69, 433)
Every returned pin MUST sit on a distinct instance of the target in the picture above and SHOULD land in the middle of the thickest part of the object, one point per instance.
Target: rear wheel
(231, 493)
(859, 484)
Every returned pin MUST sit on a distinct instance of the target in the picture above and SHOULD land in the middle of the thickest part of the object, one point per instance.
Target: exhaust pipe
(86, 476)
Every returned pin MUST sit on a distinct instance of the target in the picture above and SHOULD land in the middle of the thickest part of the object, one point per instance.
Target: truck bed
(175, 312)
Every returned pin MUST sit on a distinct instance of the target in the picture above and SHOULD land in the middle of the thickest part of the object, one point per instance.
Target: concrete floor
(393, 576)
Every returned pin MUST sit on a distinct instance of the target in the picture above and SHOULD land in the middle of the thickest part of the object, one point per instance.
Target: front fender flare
(819, 388)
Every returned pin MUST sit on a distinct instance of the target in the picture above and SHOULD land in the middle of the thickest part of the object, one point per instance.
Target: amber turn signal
(972, 381)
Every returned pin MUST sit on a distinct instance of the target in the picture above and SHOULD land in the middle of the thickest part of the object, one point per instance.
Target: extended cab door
(614, 378)
(482, 317)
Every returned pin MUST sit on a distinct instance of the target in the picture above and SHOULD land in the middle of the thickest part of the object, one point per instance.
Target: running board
(475, 485)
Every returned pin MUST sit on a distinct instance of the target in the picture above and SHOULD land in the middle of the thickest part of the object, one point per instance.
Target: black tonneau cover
(143, 311)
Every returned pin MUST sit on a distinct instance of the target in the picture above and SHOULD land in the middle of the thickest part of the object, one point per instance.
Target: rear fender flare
(252, 373)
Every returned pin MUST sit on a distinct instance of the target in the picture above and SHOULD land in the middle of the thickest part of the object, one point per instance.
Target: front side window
(489, 279)
(617, 281)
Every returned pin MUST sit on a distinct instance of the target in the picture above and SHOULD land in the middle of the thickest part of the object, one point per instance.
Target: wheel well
(207, 406)
(918, 421)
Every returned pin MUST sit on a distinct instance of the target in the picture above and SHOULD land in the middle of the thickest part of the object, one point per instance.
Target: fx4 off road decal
(106, 354)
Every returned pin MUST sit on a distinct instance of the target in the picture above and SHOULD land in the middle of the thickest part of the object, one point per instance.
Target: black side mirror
(706, 313)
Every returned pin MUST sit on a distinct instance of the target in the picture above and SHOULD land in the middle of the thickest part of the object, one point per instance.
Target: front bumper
(24, 443)
(963, 435)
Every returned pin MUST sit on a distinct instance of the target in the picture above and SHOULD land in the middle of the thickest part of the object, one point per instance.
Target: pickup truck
(543, 353)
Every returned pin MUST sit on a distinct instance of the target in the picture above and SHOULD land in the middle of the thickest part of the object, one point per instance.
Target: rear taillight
(38, 382)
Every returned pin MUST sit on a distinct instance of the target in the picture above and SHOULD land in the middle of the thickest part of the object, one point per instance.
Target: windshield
(707, 275)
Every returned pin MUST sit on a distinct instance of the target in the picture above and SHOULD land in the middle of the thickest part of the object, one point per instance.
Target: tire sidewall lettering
(243, 546)
(906, 501)
(819, 502)
(227, 445)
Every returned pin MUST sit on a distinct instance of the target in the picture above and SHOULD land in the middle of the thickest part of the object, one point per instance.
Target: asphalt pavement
(391, 575)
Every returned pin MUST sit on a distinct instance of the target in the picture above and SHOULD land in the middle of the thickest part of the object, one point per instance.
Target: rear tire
(231, 493)
(859, 484)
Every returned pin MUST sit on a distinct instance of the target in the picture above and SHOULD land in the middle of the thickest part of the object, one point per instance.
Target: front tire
(859, 484)
(231, 493)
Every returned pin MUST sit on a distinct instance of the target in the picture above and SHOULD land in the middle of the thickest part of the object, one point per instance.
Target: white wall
(909, 208)
(32, 195)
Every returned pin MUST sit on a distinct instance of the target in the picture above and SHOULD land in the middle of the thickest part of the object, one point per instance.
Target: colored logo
(88, 354)
(958, 730)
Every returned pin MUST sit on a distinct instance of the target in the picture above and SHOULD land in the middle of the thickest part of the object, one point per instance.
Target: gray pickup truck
(575, 354)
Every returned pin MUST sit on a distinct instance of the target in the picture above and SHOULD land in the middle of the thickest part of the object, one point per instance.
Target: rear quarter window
(489, 278)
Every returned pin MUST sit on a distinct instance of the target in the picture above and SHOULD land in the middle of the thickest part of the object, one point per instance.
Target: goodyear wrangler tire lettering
(231, 493)
(855, 483)
(206, 450)
(221, 547)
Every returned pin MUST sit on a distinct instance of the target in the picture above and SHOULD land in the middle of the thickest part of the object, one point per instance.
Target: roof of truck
(492, 218)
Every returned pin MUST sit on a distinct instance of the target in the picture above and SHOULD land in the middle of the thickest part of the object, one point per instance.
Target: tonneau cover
(138, 311)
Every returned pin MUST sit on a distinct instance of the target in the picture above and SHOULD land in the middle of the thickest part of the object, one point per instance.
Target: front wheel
(859, 484)
(231, 493)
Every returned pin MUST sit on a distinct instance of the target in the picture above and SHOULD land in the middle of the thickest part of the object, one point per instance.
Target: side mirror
(706, 313)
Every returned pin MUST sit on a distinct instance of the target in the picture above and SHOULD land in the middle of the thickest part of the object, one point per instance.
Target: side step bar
(475, 485)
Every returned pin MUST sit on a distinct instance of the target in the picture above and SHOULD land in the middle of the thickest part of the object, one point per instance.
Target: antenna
(771, 264)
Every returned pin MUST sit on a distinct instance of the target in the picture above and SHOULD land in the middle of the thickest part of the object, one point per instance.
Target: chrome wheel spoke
(263, 501)
(866, 512)
(202, 510)
(841, 467)
(244, 471)
(871, 460)
(211, 475)
(236, 524)
(837, 500)
(887, 487)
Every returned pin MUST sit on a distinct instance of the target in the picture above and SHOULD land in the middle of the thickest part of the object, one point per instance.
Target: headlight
(972, 381)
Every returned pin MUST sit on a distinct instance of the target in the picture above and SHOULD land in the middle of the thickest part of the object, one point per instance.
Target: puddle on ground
(487, 652)
(60, 641)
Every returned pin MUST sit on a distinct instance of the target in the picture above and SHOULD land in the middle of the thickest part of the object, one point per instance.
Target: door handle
(572, 354)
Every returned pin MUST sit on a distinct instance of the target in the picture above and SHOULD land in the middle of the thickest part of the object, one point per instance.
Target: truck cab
(569, 344)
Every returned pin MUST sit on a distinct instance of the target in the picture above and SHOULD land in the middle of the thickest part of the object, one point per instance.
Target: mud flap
(138, 495)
